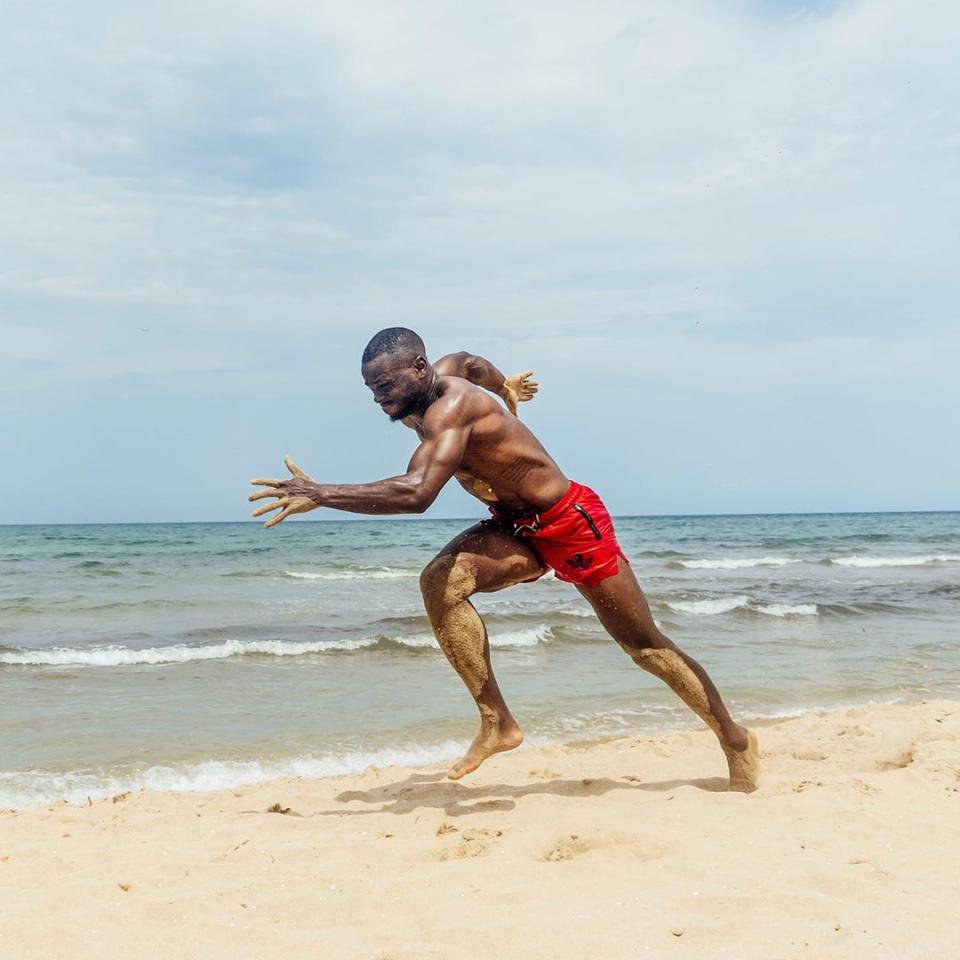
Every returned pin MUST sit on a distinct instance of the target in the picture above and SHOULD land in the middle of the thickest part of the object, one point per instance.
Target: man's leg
(622, 609)
(480, 560)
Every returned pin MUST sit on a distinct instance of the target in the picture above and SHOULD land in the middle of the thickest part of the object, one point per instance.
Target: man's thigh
(492, 558)
(622, 608)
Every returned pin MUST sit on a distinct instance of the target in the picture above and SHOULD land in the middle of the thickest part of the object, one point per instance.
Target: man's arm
(433, 463)
(478, 370)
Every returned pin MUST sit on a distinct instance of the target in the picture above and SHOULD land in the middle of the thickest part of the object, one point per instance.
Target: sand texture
(626, 848)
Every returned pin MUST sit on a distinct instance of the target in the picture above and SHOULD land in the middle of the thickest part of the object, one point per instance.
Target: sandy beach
(624, 848)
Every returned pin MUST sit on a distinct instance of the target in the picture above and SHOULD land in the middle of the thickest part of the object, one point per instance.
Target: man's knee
(644, 637)
(446, 580)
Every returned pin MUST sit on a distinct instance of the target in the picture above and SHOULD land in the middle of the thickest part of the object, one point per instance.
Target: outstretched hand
(518, 388)
(293, 495)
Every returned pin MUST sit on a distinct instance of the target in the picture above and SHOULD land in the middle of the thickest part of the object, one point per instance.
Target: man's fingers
(523, 376)
(266, 482)
(260, 494)
(293, 468)
(273, 521)
(267, 507)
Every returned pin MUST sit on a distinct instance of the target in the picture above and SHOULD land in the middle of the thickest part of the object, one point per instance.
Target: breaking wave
(32, 788)
(920, 561)
(718, 605)
(355, 573)
(116, 656)
(735, 563)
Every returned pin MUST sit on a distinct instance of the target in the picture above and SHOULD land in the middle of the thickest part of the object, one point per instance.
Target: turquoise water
(193, 656)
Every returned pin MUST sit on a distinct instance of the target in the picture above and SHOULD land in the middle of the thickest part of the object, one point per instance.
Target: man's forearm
(395, 495)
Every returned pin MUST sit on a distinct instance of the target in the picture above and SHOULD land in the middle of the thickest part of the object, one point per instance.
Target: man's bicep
(438, 458)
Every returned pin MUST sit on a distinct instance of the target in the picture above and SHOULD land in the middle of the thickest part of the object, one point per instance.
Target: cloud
(246, 190)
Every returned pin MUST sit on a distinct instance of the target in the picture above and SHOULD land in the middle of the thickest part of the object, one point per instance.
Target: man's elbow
(417, 499)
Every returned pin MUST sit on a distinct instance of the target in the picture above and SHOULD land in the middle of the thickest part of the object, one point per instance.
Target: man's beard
(411, 406)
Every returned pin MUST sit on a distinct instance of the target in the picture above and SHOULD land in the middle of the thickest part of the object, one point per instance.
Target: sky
(723, 234)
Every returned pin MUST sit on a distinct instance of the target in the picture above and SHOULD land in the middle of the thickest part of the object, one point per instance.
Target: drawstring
(531, 528)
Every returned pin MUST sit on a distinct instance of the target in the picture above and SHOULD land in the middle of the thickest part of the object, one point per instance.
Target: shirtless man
(539, 520)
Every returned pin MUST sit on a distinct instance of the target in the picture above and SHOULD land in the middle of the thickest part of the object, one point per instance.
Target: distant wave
(919, 561)
(719, 605)
(116, 656)
(176, 653)
(737, 563)
(708, 607)
(32, 788)
(515, 638)
(786, 609)
(356, 573)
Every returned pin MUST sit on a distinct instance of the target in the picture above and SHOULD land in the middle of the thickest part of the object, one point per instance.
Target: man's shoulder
(459, 403)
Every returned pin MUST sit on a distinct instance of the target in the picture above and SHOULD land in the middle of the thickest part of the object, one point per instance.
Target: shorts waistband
(534, 521)
(551, 513)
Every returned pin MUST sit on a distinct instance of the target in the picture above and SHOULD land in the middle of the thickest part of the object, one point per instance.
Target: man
(540, 519)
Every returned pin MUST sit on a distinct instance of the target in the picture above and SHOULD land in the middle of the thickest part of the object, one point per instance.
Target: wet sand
(625, 848)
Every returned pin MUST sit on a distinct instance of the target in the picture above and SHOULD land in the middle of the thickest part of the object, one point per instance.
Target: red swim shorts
(575, 537)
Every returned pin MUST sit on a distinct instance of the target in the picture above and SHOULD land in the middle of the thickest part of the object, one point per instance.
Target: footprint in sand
(544, 774)
(806, 784)
(897, 763)
(474, 842)
(566, 849)
(633, 848)
(856, 731)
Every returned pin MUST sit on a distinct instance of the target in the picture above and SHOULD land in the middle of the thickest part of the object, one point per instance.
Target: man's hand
(294, 495)
(518, 388)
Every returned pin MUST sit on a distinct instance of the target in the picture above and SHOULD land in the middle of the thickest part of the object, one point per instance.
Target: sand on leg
(482, 559)
(622, 608)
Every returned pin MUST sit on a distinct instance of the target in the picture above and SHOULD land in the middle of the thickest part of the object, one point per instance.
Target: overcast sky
(723, 234)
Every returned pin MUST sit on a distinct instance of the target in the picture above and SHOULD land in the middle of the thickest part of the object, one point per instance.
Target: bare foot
(490, 740)
(744, 765)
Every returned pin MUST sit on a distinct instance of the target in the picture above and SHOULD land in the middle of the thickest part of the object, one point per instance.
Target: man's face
(397, 383)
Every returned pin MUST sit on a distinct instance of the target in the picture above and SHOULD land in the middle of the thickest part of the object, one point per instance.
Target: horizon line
(400, 518)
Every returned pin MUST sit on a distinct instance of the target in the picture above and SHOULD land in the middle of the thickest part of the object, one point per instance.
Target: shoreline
(616, 848)
(188, 776)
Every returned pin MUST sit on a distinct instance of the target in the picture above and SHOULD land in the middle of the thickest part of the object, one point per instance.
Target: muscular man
(539, 519)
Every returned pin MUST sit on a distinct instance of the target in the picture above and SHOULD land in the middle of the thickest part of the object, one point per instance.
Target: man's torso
(503, 463)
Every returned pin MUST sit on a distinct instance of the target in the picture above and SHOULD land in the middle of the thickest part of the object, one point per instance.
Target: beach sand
(625, 848)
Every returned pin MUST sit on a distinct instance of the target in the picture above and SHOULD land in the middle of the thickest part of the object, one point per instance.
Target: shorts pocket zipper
(586, 516)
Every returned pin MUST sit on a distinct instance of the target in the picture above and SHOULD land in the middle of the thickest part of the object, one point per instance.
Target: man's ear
(421, 365)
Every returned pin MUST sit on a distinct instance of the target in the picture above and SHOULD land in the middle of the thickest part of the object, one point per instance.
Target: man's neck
(434, 389)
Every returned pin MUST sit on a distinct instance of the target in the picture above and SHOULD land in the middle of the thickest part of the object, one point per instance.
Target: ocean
(207, 656)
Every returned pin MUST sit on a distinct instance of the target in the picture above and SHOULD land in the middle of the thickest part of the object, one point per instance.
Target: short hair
(393, 340)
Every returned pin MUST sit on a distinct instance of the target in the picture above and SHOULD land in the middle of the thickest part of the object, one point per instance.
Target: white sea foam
(182, 653)
(737, 563)
(895, 561)
(358, 573)
(515, 638)
(33, 788)
(708, 607)
(786, 609)
(176, 653)
(727, 604)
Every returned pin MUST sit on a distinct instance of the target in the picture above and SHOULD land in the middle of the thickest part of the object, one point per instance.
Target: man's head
(395, 367)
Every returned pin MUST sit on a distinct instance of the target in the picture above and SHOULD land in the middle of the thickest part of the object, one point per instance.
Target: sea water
(204, 656)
